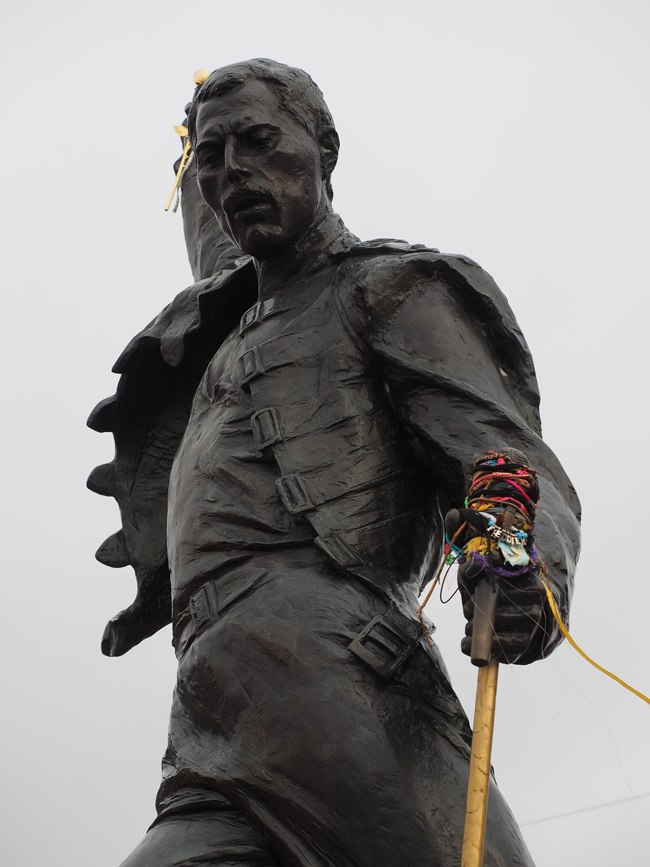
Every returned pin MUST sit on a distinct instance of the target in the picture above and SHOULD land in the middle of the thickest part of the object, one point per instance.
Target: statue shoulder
(394, 291)
(388, 272)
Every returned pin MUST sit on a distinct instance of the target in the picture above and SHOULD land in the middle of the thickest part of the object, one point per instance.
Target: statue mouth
(248, 205)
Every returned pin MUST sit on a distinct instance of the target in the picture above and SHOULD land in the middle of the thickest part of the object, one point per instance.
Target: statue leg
(221, 838)
(338, 765)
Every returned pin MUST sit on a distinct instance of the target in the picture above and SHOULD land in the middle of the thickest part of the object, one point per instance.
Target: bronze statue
(289, 433)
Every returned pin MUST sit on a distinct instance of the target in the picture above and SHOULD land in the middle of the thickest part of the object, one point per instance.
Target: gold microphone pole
(199, 77)
(485, 604)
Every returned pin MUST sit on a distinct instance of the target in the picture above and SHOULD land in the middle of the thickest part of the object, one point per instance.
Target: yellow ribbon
(565, 633)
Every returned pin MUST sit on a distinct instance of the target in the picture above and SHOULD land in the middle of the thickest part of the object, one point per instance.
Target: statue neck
(310, 254)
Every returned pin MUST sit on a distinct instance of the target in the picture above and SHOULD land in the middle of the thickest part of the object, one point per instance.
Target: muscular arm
(460, 377)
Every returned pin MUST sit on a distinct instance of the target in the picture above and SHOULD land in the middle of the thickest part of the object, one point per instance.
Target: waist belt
(384, 644)
(211, 600)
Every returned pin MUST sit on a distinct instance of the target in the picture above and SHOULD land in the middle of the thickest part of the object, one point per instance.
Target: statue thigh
(333, 764)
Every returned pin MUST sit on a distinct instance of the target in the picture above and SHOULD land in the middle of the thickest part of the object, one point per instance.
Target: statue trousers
(287, 747)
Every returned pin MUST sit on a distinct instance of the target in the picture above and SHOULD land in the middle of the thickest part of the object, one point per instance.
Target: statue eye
(210, 154)
(260, 138)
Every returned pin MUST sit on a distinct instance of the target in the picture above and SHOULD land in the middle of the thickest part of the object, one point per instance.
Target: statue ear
(329, 148)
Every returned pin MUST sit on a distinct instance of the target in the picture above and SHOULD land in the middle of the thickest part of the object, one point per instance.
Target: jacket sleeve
(460, 376)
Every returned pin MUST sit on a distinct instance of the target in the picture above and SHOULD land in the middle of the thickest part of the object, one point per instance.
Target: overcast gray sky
(514, 132)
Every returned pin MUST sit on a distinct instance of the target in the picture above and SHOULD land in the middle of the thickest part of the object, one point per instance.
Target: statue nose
(235, 168)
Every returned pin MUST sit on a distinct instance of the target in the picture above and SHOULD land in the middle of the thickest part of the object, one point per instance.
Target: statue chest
(292, 440)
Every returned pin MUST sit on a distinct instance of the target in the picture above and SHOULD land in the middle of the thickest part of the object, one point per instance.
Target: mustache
(242, 197)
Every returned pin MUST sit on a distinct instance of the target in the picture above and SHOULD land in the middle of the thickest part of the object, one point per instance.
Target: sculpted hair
(295, 90)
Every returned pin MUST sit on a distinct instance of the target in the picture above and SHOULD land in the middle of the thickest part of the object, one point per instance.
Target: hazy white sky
(515, 132)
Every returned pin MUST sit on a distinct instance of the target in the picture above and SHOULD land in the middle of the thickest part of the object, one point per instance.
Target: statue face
(258, 169)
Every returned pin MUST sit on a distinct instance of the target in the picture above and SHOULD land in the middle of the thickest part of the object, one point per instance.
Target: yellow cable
(565, 632)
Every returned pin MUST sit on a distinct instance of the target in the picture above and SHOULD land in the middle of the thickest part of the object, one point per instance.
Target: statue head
(266, 147)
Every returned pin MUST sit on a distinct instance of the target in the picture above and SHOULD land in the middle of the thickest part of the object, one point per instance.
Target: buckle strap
(300, 492)
(266, 427)
(311, 418)
(386, 642)
(294, 494)
(204, 606)
(251, 365)
(259, 311)
(211, 600)
(302, 346)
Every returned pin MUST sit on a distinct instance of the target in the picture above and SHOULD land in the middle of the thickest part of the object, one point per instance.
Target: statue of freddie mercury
(289, 433)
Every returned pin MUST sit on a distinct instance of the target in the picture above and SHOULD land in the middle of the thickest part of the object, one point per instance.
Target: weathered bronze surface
(289, 432)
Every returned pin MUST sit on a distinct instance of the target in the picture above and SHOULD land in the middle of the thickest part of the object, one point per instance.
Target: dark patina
(289, 432)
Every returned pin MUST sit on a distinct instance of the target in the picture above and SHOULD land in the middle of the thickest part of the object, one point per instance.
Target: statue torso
(223, 501)
(292, 441)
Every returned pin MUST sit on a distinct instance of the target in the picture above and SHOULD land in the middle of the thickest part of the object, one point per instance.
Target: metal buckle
(250, 318)
(294, 494)
(203, 606)
(251, 365)
(266, 427)
(383, 646)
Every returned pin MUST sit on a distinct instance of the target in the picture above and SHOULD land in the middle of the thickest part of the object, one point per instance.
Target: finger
(522, 607)
(527, 583)
(468, 576)
(515, 628)
(510, 617)
(520, 593)
(506, 647)
(453, 522)
(526, 605)
(509, 647)
(508, 626)
(530, 607)
(507, 611)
